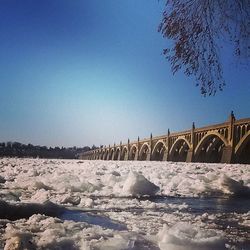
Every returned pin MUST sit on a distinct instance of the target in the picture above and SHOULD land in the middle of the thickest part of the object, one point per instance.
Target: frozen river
(70, 204)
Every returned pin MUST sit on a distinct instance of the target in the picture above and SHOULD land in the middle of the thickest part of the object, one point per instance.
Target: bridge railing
(209, 128)
(242, 121)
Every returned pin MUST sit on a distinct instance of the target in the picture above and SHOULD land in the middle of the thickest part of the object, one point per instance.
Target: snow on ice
(70, 204)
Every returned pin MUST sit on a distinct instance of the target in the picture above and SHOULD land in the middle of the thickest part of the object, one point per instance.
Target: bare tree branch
(197, 29)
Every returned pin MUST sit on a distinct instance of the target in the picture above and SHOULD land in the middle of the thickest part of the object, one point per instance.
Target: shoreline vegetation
(17, 149)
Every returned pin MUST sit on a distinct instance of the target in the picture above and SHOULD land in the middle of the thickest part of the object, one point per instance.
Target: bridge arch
(101, 155)
(116, 154)
(133, 153)
(242, 149)
(159, 151)
(210, 148)
(144, 154)
(124, 153)
(179, 150)
(105, 155)
(97, 155)
(110, 154)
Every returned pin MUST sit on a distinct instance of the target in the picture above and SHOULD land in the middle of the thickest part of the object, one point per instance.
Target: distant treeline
(16, 149)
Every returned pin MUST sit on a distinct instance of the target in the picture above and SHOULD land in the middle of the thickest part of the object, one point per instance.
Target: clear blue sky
(87, 72)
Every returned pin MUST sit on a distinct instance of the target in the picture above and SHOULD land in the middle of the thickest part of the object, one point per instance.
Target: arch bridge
(227, 142)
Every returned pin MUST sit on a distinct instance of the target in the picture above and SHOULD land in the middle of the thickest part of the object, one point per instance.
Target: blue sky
(87, 72)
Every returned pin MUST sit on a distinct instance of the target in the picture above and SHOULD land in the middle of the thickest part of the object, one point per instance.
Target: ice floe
(137, 185)
(184, 236)
(70, 204)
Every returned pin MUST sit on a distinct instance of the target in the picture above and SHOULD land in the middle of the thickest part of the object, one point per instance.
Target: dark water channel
(224, 207)
(210, 205)
(91, 218)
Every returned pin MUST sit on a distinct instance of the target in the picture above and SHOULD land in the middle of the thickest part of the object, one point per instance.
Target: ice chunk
(17, 242)
(70, 199)
(40, 196)
(126, 241)
(136, 184)
(184, 236)
(41, 185)
(86, 202)
(16, 239)
(232, 186)
(8, 195)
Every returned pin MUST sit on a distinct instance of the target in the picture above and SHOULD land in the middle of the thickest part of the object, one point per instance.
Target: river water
(221, 213)
(95, 205)
(211, 205)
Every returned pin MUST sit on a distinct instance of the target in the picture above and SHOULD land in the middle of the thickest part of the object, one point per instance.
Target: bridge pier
(126, 157)
(136, 156)
(190, 155)
(148, 158)
(228, 151)
(165, 156)
(119, 156)
(227, 155)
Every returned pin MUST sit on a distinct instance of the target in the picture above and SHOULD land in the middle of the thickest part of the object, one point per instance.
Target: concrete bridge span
(227, 142)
